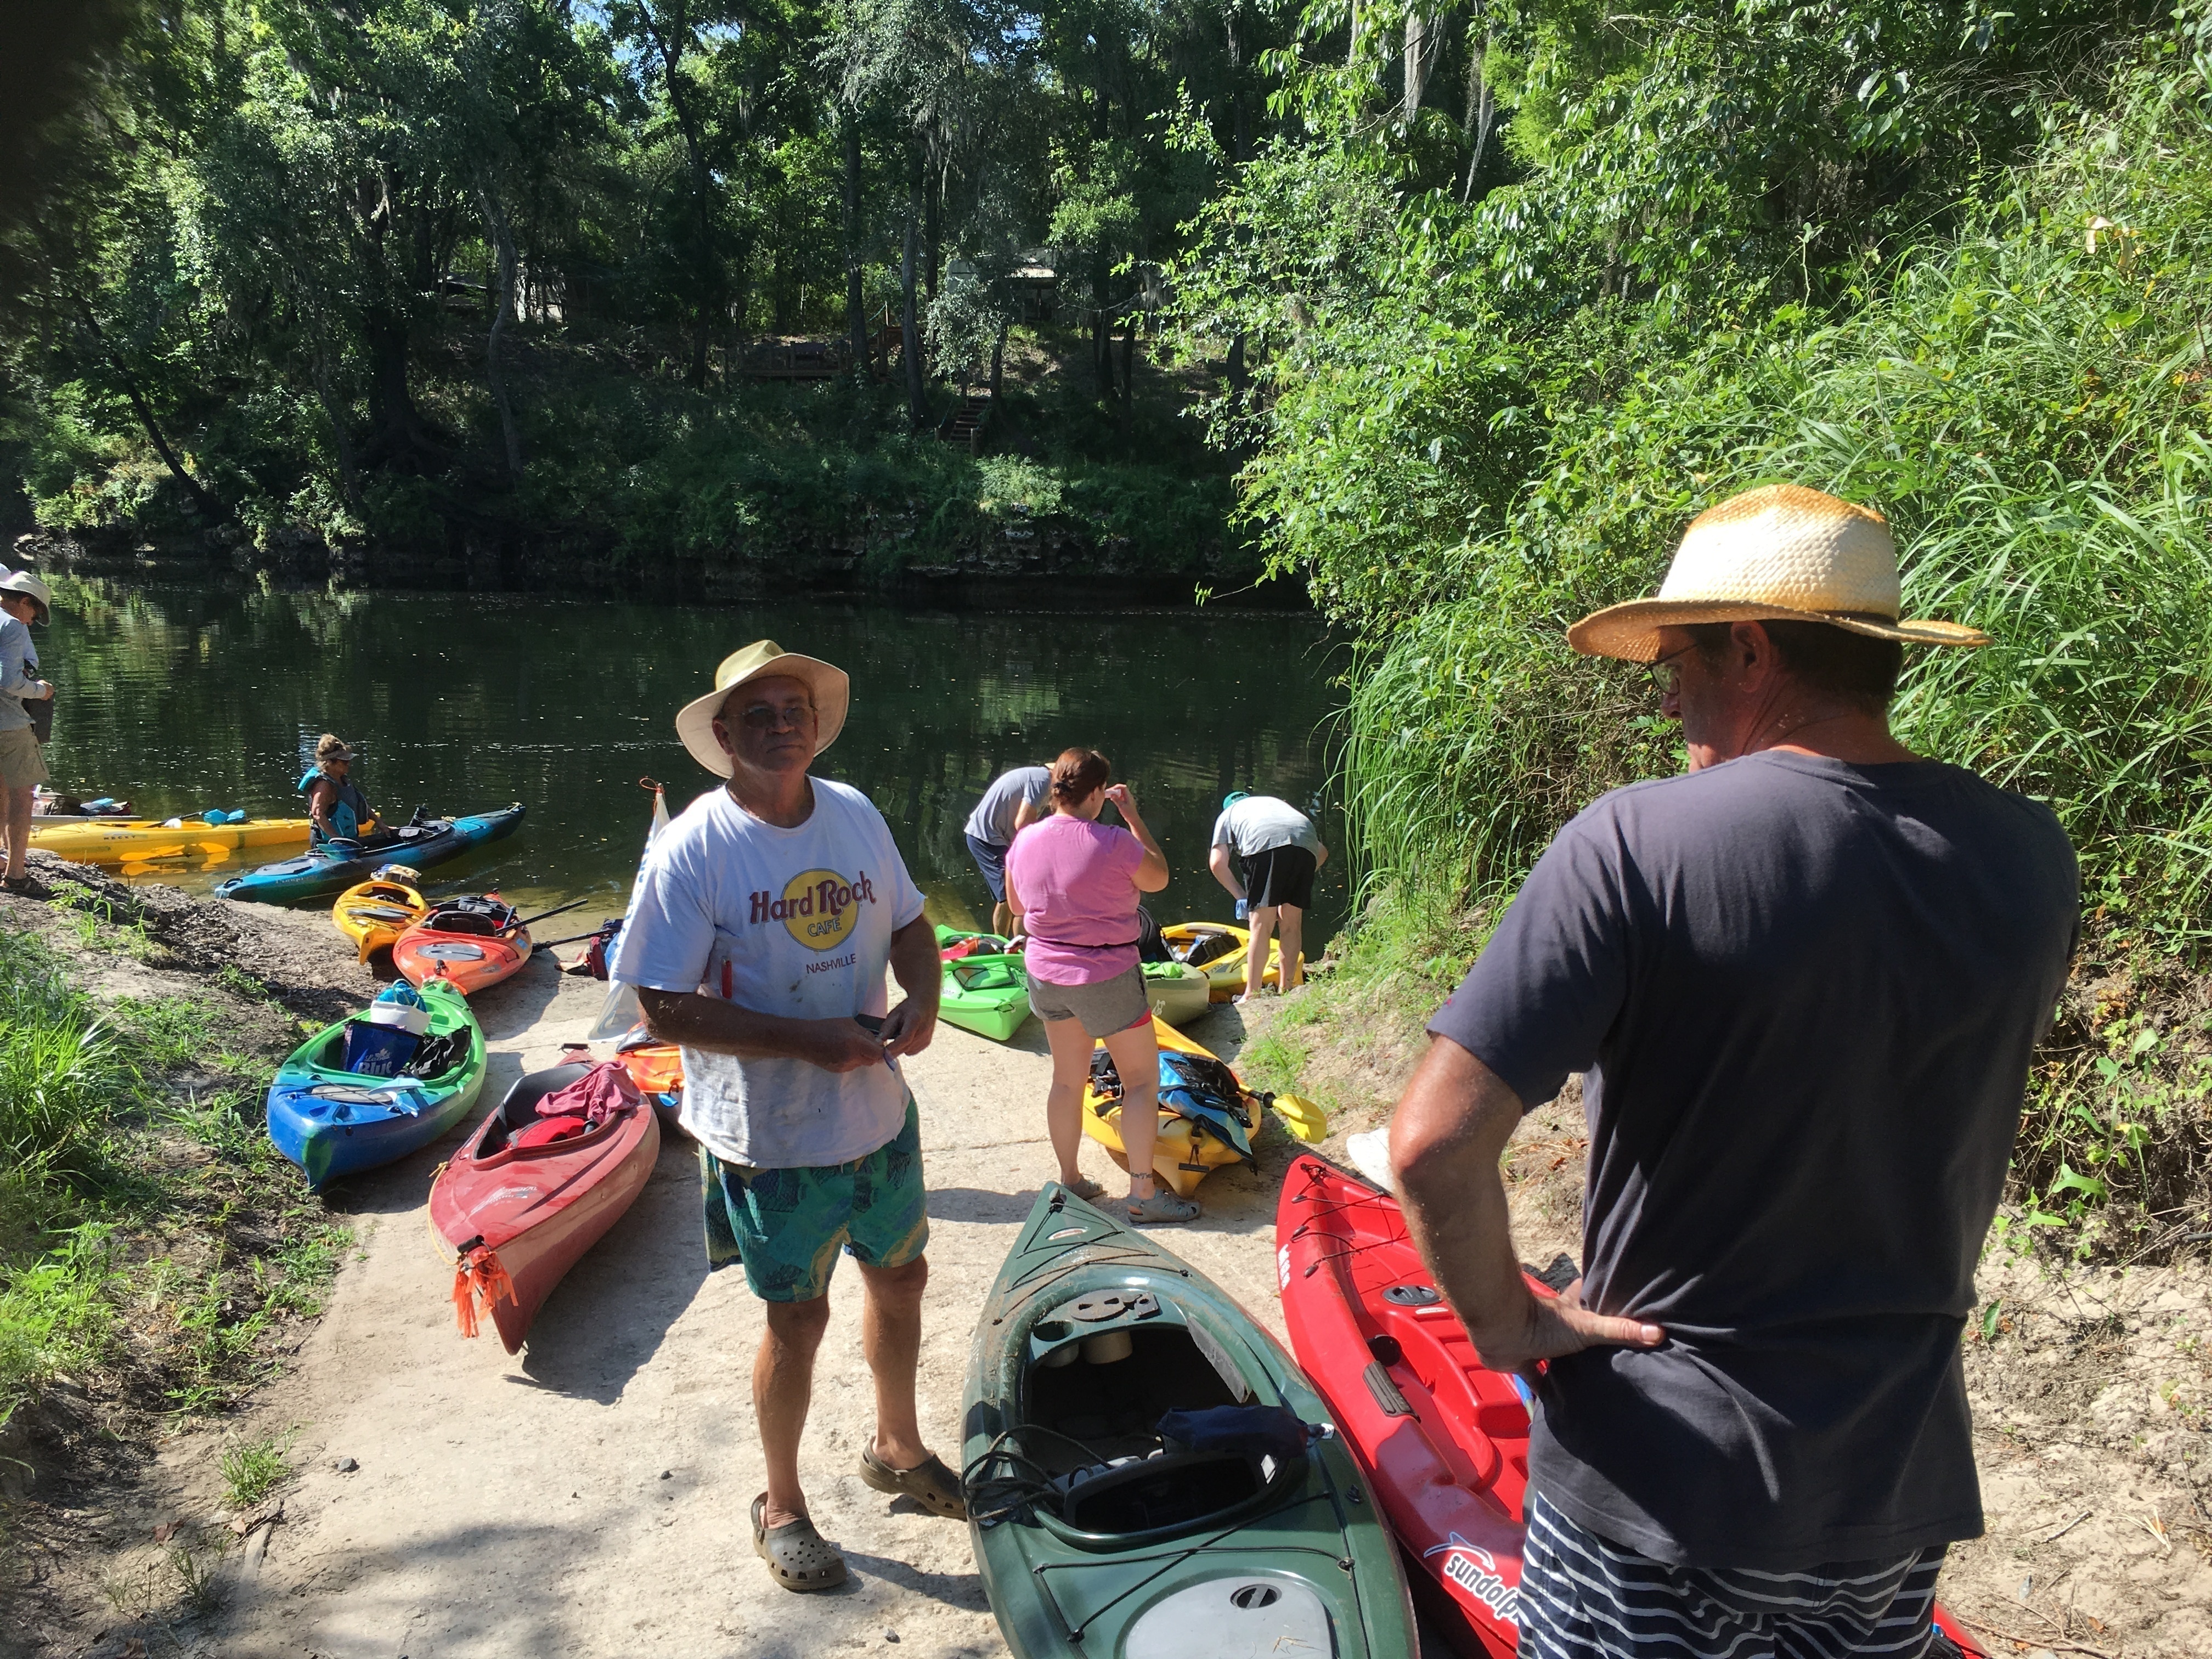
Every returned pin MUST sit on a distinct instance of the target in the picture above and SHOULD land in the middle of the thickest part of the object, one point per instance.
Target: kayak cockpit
(1135, 1423)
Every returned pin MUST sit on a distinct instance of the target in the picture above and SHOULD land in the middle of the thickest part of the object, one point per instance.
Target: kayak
(1150, 1477)
(1444, 1441)
(1219, 949)
(473, 943)
(334, 866)
(380, 909)
(520, 1215)
(142, 840)
(1193, 1142)
(333, 1122)
(1178, 994)
(986, 990)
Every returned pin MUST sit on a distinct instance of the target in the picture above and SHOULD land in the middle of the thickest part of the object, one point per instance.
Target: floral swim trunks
(785, 1226)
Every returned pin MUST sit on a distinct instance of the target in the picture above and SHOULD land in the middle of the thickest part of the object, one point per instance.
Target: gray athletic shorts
(1109, 1006)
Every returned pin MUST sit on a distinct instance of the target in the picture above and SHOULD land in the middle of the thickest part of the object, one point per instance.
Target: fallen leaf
(272, 1510)
(162, 1535)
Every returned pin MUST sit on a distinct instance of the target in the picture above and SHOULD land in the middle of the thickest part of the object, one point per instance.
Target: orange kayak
(472, 942)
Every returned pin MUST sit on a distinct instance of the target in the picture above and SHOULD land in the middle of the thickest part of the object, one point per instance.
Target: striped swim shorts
(1584, 1598)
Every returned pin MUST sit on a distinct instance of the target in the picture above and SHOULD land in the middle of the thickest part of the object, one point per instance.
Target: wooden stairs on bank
(964, 425)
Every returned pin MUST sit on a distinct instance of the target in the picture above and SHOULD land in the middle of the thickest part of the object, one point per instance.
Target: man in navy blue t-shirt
(1802, 981)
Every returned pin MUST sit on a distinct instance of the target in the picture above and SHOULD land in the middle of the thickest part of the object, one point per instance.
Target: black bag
(41, 711)
(1151, 947)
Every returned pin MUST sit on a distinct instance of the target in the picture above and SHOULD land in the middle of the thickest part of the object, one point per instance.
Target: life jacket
(348, 811)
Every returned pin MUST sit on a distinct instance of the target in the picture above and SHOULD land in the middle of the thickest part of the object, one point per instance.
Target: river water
(184, 698)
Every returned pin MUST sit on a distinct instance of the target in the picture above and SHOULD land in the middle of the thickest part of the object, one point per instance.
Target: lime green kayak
(986, 992)
(1178, 994)
(1150, 1477)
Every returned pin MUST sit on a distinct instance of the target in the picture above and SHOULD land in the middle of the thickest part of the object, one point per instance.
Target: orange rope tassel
(480, 1284)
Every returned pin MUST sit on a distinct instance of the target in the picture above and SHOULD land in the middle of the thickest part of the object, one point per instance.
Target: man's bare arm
(724, 1028)
(1451, 1127)
(920, 971)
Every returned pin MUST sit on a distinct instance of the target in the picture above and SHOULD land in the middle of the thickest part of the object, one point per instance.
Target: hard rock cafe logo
(819, 907)
(1475, 1571)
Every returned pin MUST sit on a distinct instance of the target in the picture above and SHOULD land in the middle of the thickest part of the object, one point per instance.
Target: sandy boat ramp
(590, 1496)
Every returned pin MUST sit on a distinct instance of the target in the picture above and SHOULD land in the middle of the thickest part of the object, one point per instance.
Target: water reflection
(187, 698)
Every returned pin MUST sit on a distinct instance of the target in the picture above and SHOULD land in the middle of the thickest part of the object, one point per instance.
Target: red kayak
(538, 1184)
(474, 942)
(1444, 1441)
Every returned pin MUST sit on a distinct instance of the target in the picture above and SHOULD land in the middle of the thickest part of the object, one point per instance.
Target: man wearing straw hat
(764, 919)
(24, 599)
(1802, 981)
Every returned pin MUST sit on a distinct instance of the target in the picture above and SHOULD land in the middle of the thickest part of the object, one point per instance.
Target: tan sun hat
(832, 689)
(1785, 553)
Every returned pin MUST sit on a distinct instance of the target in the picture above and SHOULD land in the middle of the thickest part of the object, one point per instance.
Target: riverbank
(412, 1491)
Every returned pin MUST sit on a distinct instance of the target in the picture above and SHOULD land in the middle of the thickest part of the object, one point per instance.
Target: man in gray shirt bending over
(1014, 801)
(1802, 981)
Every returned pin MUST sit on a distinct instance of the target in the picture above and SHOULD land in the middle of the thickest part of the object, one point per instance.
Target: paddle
(574, 938)
(571, 905)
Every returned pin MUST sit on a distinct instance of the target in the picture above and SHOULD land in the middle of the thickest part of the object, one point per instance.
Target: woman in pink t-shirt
(1074, 883)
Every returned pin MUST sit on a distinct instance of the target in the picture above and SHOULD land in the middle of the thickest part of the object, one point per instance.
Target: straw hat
(832, 689)
(23, 582)
(1785, 553)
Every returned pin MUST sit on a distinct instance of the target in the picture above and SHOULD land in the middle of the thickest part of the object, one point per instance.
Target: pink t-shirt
(1077, 883)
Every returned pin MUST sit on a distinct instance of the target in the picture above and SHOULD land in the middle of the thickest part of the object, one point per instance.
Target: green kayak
(1150, 1477)
(987, 991)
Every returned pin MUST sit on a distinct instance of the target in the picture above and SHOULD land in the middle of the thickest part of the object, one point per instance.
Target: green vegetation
(1946, 261)
(418, 278)
(252, 1470)
(150, 1237)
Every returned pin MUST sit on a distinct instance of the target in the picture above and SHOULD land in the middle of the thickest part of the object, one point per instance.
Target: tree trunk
(917, 400)
(1102, 326)
(397, 427)
(1481, 115)
(933, 230)
(341, 427)
(1240, 125)
(203, 499)
(501, 235)
(856, 321)
(1240, 380)
(1417, 61)
(670, 44)
(1128, 363)
(999, 362)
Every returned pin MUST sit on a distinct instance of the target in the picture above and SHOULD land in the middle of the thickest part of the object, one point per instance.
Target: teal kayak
(331, 866)
(1149, 1476)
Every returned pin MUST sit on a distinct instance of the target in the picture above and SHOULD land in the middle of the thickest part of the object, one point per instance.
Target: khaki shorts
(22, 763)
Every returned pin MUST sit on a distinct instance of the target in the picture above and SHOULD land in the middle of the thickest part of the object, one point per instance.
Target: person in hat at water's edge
(1802, 981)
(764, 919)
(336, 806)
(24, 599)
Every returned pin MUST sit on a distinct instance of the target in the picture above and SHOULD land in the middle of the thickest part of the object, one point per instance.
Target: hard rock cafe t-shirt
(795, 922)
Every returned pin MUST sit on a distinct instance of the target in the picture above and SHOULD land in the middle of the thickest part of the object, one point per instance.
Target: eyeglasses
(1664, 674)
(761, 718)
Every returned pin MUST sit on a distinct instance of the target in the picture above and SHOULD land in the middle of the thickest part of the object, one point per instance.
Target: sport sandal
(1163, 1206)
(929, 1483)
(799, 1558)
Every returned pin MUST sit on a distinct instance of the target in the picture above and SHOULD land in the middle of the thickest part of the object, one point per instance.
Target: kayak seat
(472, 923)
(519, 1111)
(1172, 1490)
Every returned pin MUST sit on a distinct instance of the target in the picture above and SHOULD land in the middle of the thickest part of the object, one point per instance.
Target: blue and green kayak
(334, 865)
(332, 1123)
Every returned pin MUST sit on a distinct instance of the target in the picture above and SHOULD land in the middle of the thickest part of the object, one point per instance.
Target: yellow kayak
(1224, 973)
(380, 909)
(141, 840)
(1186, 1153)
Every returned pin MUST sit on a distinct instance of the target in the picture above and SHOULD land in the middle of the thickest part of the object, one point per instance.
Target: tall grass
(63, 1071)
(2025, 401)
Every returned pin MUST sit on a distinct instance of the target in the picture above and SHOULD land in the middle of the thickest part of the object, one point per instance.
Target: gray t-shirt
(993, 820)
(1803, 995)
(1260, 823)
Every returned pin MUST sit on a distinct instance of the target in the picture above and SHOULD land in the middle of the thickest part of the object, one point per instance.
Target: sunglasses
(1664, 674)
(761, 718)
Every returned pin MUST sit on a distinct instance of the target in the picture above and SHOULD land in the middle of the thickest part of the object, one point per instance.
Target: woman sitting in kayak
(335, 802)
(1074, 883)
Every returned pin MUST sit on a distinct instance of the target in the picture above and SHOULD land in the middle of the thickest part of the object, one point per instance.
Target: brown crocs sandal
(1085, 1188)
(929, 1483)
(800, 1558)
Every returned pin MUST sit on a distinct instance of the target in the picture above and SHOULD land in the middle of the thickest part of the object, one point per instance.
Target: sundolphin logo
(1475, 1569)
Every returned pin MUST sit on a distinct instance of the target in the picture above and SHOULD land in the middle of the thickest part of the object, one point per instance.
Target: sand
(590, 1495)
